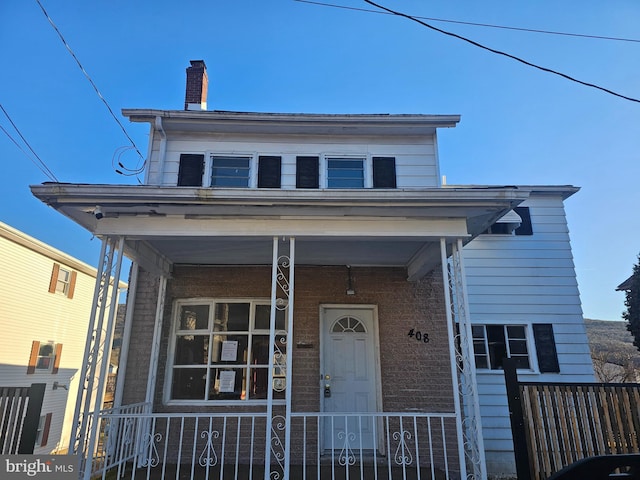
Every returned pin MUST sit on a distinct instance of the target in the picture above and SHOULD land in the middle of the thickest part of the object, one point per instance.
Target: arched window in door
(348, 325)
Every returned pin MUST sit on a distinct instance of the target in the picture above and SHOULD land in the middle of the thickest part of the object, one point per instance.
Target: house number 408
(418, 335)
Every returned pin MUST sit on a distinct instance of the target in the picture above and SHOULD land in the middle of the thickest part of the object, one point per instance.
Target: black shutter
(384, 172)
(269, 172)
(525, 227)
(307, 172)
(546, 348)
(191, 170)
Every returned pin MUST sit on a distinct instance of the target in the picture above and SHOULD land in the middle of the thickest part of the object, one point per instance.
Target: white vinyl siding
(526, 280)
(416, 165)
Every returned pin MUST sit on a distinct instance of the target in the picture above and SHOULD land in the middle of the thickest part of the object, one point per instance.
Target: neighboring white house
(249, 222)
(45, 303)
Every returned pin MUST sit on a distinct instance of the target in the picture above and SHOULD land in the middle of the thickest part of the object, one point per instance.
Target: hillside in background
(613, 340)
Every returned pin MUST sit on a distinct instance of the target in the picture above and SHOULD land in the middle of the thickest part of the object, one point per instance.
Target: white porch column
(471, 449)
(96, 354)
(282, 281)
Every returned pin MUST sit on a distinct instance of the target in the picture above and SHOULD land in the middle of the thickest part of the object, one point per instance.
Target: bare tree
(615, 367)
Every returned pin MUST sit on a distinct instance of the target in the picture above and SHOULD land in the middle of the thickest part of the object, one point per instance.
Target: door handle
(327, 390)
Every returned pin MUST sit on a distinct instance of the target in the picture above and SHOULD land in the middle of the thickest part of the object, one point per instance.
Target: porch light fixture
(350, 289)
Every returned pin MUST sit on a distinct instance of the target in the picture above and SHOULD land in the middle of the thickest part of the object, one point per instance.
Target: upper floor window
(345, 172)
(62, 281)
(265, 171)
(220, 351)
(44, 357)
(227, 171)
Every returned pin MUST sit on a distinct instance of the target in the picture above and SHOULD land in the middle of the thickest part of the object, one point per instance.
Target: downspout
(162, 153)
(126, 336)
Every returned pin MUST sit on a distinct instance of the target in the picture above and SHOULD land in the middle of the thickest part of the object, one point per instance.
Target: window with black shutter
(525, 227)
(384, 172)
(307, 172)
(269, 175)
(191, 170)
(546, 348)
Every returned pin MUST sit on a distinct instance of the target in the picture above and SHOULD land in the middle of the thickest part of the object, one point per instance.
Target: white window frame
(253, 167)
(62, 285)
(178, 303)
(528, 341)
(367, 169)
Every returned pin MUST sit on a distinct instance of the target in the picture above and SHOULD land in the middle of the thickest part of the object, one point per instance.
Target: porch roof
(181, 225)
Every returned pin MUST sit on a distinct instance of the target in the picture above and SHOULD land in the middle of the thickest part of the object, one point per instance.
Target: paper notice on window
(227, 381)
(229, 351)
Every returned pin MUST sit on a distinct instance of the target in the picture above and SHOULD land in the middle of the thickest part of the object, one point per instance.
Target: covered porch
(383, 266)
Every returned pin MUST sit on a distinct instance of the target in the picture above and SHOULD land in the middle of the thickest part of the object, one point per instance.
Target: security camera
(98, 213)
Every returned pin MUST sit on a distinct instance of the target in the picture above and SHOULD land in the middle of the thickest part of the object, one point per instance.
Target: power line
(498, 52)
(40, 163)
(474, 24)
(89, 78)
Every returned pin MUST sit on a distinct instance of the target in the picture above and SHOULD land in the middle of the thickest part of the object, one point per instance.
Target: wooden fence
(555, 424)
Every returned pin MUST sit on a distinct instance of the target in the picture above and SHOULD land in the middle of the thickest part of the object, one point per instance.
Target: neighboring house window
(307, 172)
(492, 343)
(62, 281)
(191, 170)
(42, 434)
(384, 172)
(506, 228)
(345, 172)
(44, 357)
(220, 350)
(230, 171)
(269, 172)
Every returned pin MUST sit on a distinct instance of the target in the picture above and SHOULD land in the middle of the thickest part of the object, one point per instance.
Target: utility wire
(40, 163)
(498, 52)
(488, 25)
(89, 78)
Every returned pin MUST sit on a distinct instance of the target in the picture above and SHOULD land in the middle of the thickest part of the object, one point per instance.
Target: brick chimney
(197, 84)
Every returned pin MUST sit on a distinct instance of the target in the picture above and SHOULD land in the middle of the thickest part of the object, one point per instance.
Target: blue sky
(519, 125)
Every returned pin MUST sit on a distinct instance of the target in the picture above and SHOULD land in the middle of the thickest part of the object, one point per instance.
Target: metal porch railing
(232, 446)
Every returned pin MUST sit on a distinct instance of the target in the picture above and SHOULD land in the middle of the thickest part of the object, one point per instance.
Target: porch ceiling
(176, 225)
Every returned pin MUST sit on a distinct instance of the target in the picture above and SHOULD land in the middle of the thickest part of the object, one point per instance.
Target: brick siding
(415, 375)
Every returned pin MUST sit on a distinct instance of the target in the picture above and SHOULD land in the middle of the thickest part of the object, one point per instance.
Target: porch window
(220, 351)
(492, 343)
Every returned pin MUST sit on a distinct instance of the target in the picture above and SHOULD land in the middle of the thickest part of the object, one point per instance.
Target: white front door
(349, 377)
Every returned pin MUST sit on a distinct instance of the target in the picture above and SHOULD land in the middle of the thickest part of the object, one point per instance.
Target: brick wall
(415, 375)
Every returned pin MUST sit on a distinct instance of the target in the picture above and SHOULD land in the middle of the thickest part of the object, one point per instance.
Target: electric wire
(499, 52)
(68, 47)
(474, 24)
(40, 163)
